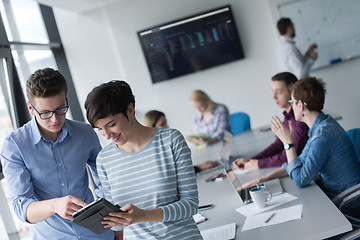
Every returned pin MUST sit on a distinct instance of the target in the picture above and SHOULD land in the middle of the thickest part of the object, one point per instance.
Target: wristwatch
(287, 146)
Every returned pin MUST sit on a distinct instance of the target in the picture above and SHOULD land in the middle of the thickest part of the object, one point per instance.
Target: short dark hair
(286, 77)
(45, 82)
(312, 91)
(152, 117)
(283, 24)
(108, 99)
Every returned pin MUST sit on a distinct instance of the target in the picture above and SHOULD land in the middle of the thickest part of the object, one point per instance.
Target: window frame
(56, 47)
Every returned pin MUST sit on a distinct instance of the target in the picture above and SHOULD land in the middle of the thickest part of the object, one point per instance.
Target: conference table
(320, 217)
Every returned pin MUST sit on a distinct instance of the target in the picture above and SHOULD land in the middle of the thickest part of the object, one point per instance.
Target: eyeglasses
(296, 101)
(60, 111)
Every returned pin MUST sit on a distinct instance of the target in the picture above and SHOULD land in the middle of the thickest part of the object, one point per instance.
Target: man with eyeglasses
(274, 155)
(44, 162)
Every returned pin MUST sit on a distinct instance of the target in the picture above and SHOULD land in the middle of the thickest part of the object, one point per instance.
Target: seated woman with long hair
(210, 121)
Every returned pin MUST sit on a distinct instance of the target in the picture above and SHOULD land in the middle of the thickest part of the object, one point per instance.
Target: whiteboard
(333, 24)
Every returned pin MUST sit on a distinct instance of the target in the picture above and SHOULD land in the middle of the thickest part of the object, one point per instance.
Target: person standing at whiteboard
(290, 58)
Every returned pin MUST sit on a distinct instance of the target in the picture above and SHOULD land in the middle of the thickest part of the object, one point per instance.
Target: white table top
(320, 219)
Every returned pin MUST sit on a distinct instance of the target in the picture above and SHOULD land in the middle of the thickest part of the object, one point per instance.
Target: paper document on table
(223, 232)
(242, 171)
(251, 209)
(199, 218)
(280, 216)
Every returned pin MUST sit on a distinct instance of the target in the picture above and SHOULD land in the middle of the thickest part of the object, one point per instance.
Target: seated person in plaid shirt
(212, 119)
(155, 118)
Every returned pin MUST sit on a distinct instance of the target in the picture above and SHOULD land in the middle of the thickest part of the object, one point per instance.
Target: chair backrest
(239, 122)
(354, 135)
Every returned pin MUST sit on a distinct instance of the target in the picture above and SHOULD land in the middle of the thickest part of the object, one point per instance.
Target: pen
(335, 60)
(270, 217)
(205, 207)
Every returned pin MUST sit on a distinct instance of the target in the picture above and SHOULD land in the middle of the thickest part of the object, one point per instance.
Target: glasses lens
(59, 111)
(46, 115)
(62, 111)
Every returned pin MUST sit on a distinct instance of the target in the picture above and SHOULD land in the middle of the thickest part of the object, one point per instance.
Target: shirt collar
(212, 112)
(290, 114)
(287, 39)
(36, 136)
(316, 123)
(64, 131)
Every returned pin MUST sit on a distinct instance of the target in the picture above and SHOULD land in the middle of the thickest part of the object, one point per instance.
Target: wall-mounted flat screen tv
(191, 44)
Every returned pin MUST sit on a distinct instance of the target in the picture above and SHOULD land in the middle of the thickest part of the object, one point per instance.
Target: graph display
(191, 44)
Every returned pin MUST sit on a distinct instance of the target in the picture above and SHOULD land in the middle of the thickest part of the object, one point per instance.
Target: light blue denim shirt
(38, 169)
(329, 153)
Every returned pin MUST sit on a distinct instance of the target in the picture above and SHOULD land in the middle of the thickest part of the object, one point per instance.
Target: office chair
(239, 122)
(355, 234)
(352, 193)
(354, 135)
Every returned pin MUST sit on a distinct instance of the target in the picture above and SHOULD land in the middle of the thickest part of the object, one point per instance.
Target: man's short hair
(286, 77)
(44, 83)
(283, 24)
(108, 99)
(312, 91)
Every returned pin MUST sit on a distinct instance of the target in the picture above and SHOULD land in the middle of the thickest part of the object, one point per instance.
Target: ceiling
(79, 6)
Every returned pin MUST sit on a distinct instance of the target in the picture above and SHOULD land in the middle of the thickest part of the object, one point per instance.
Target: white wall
(90, 49)
(102, 45)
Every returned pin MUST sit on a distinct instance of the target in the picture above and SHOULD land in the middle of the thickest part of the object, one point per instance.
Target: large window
(29, 40)
(27, 36)
(5, 128)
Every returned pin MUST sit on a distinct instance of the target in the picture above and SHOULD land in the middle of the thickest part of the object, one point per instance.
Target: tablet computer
(92, 215)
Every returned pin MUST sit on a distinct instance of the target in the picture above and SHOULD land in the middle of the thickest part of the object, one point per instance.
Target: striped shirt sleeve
(187, 204)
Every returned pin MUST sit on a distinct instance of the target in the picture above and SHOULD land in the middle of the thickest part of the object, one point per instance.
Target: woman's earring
(134, 124)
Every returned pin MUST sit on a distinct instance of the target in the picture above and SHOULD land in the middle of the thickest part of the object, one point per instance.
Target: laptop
(224, 154)
(273, 186)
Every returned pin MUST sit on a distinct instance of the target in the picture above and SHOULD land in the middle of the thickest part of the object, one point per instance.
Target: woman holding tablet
(147, 171)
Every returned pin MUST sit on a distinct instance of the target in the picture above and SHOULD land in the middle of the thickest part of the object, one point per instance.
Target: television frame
(191, 44)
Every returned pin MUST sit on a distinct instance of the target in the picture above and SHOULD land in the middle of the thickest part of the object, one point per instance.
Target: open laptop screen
(243, 193)
(273, 186)
(236, 184)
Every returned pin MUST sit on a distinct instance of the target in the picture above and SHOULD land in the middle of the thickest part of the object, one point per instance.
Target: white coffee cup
(259, 196)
